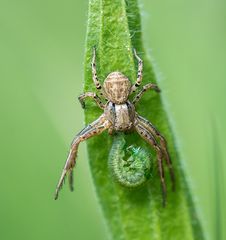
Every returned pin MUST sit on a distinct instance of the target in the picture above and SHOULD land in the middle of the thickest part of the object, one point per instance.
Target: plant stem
(114, 28)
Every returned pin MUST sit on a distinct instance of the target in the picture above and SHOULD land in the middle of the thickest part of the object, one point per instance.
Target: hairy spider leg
(139, 73)
(95, 128)
(94, 73)
(151, 128)
(92, 95)
(147, 136)
(143, 90)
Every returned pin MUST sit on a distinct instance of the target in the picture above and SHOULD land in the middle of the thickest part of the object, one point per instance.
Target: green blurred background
(41, 73)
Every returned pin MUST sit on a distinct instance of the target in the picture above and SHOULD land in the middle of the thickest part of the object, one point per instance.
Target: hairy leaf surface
(114, 29)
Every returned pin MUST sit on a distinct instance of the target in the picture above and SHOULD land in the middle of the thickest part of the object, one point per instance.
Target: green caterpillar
(131, 166)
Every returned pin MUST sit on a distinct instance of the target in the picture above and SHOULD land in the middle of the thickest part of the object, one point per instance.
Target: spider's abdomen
(117, 87)
(120, 115)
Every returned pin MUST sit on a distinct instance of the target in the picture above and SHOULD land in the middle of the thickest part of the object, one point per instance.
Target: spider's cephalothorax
(119, 116)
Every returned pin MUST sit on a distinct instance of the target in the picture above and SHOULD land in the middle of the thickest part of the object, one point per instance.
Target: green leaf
(114, 29)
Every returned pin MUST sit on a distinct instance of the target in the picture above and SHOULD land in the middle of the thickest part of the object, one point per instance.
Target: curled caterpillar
(131, 166)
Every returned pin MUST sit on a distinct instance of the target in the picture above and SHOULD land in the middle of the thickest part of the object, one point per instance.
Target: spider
(119, 116)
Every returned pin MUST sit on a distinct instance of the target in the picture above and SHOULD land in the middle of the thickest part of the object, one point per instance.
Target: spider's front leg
(147, 136)
(92, 129)
(92, 95)
(151, 128)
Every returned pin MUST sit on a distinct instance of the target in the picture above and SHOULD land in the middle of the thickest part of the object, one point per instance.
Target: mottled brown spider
(119, 115)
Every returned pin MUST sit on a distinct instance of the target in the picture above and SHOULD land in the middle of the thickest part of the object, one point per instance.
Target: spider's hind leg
(94, 73)
(139, 73)
(92, 95)
(143, 90)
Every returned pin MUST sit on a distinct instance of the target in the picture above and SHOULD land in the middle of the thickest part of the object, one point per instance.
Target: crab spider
(119, 116)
